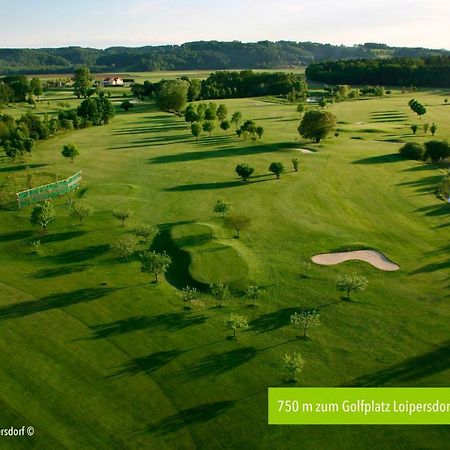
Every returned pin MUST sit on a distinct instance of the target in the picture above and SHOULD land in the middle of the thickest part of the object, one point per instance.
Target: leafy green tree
(70, 151)
(36, 87)
(82, 81)
(155, 263)
(253, 293)
(98, 110)
(189, 294)
(11, 150)
(293, 363)
(317, 125)
(433, 128)
(426, 126)
(414, 128)
(221, 292)
(208, 126)
(126, 105)
(190, 113)
(322, 102)
(43, 214)
(248, 127)
(146, 232)
(125, 247)
(351, 283)
(172, 95)
(296, 163)
(445, 100)
(211, 112)
(80, 212)
(196, 130)
(222, 112)
(412, 150)
(259, 131)
(417, 107)
(201, 111)
(194, 90)
(301, 108)
(236, 322)
(121, 214)
(225, 125)
(222, 207)
(436, 151)
(244, 171)
(237, 223)
(277, 168)
(236, 118)
(305, 320)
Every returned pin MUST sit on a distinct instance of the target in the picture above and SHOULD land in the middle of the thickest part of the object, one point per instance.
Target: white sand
(373, 257)
(304, 150)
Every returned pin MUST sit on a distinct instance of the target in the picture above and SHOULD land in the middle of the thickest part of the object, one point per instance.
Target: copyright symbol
(30, 431)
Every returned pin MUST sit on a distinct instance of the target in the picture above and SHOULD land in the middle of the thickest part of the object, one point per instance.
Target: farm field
(95, 355)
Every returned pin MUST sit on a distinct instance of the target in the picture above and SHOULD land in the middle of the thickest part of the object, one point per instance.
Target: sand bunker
(373, 257)
(304, 150)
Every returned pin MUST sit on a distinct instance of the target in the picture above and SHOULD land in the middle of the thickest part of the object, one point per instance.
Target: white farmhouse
(113, 81)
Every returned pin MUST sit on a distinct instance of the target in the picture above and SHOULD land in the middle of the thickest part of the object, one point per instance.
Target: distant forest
(203, 55)
(427, 72)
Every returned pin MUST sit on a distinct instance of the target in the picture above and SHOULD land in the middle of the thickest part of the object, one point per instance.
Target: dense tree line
(226, 84)
(17, 136)
(18, 88)
(204, 55)
(431, 71)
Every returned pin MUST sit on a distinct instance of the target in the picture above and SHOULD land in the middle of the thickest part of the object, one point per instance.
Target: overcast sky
(104, 23)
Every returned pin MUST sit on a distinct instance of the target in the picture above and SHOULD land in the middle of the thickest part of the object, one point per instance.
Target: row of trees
(434, 151)
(426, 126)
(223, 84)
(18, 88)
(18, 136)
(432, 72)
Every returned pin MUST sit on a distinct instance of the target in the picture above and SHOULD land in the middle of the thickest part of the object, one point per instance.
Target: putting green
(211, 261)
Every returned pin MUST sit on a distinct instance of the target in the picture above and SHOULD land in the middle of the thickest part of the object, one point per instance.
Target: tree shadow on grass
(218, 185)
(146, 364)
(433, 267)
(155, 141)
(15, 235)
(438, 209)
(58, 237)
(217, 364)
(424, 184)
(21, 167)
(381, 159)
(60, 271)
(75, 256)
(272, 321)
(52, 301)
(227, 152)
(198, 414)
(166, 322)
(410, 370)
(178, 272)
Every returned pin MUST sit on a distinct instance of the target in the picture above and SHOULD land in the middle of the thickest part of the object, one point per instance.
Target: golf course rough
(373, 257)
(211, 261)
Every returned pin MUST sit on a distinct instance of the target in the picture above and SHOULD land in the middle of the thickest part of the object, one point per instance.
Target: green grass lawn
(95, 355)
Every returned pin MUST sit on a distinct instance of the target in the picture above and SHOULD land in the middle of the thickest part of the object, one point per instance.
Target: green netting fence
(48, 191)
